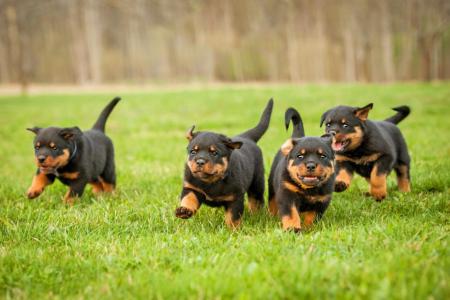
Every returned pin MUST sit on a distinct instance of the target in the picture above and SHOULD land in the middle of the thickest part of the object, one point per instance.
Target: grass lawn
(130, 245)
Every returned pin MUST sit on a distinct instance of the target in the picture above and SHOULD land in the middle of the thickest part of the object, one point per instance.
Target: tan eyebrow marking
(212, 148)
(344, 120)
(320, 151)
(196, 147)
(302, 151)
(52, 145)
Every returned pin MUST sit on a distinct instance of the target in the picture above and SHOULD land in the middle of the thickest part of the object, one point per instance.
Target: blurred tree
(107, 41)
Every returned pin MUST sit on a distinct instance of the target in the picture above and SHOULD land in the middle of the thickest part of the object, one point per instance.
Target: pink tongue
(337, 146)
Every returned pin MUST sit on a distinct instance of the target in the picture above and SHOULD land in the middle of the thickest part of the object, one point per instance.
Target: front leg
(290, 218)
(76, 190)
(378, 177)
(40, 181)
(233, 212)
(190, 203)
(344, 171)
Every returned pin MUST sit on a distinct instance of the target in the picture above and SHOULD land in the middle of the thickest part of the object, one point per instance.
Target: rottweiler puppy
(301, 180)
(76, 158)
(369, 148)
(220, 170)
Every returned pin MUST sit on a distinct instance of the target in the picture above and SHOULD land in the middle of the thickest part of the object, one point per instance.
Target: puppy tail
(101, 121)
(257, 132)
(402, 112)
(297, 123)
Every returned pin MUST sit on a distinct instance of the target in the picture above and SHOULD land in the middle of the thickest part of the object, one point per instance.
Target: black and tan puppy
(302, 177)
(220, 170)
(369, 148)
(76, 158)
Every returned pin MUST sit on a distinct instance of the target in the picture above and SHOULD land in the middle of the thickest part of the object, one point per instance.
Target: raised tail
(402, 112)
(257, 132)
(101, 121)
(297, 123)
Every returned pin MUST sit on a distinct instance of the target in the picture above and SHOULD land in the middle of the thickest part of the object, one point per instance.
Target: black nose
(200, 162)
(310, 166)
(41, 158)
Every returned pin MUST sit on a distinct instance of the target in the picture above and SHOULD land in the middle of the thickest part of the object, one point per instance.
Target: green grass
(131, 245)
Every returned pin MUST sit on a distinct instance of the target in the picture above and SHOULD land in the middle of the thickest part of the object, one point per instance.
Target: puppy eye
(54, 148)
(328, 124)
(215, 153)
(323, 156)
(193, 152)
(36, 147)
(345, 125)
(300, 156)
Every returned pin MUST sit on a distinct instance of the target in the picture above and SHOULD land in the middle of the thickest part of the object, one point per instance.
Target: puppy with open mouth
(372, 149)
(220, 170)
(301, 180)
(76, 158)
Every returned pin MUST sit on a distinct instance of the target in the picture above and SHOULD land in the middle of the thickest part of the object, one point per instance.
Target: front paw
(296, 230)
(183, 212)
(33, 192)
(378, 196)
(340, 186)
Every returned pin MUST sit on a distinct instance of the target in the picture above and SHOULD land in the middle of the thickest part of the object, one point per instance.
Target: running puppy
(371, 149)
(302, 176)
(75, 158)
(220, 170)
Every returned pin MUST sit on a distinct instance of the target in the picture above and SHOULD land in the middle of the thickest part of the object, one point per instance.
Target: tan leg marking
(40, 181)
(309, 217)
(378, 188)
(253, 205)
(273, 207)
(68, 199)
(97, 187)
(402, 180)
(107, 187)
(292, 221)
(190, 201)
(345, 177)
(232, 224)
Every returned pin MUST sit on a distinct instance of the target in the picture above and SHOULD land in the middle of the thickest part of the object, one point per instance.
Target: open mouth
(310, 179)
(340, 145)
(47, 169)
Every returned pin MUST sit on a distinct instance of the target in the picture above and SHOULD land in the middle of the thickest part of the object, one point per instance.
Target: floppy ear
(34, 129)
(190, 133)
(322, 119)
(287, 147)
(70, 133)
(233, 145)
(363, 112)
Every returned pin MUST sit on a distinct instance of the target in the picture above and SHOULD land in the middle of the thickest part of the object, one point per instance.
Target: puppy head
(53, 146)
(209, 154)
(348, 124)
(310, 160)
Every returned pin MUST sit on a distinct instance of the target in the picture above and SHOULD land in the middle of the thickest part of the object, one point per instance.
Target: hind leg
(108, 177)
(255, 192)
(402, 168)
(273, 208)
(233, 212)
(403, 178)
